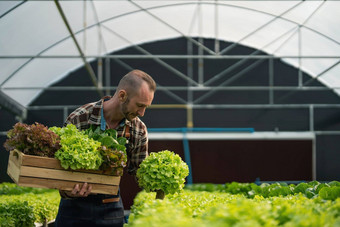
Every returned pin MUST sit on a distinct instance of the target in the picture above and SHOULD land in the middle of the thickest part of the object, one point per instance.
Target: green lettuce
(78, 151)
(162, 171)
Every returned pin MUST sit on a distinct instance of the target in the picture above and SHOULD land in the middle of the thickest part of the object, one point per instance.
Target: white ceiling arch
(37, 49)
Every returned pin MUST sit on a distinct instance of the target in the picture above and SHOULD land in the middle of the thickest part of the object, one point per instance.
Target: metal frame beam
(82, 56)
(141, 56)
(184, 88)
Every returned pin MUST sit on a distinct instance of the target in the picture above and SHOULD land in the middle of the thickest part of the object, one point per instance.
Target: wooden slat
(30, 171)
(13, 170)
(65, 185)
(50, 163)
(43, 172)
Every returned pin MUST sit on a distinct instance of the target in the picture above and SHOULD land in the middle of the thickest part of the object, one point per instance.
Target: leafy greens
(35, 139)
(78, 151)
(164, 171)
(113, 149)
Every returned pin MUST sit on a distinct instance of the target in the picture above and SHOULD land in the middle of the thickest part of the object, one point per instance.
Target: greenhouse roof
(43, 41)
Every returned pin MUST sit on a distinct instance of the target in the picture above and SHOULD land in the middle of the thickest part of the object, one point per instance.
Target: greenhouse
(245, 116)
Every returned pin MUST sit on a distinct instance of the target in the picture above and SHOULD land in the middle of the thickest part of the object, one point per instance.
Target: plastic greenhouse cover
(287, 29)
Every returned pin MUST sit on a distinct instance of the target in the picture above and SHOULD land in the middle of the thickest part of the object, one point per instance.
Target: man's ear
(122, 95)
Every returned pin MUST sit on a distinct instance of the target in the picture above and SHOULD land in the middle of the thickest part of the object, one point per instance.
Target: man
(134, 94)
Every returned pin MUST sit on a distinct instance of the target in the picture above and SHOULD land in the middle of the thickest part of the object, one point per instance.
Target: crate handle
(15, 153)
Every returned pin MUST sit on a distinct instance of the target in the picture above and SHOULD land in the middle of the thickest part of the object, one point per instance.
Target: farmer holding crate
(134, 94)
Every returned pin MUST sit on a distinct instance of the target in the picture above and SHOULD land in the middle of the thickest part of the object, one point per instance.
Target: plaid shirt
(137, 150)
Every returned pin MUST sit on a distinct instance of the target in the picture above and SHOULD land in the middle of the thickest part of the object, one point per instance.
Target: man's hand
(84, 191)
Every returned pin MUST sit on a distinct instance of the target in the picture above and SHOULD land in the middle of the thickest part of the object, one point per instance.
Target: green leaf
(122, 140)
(107, 141)
(334, 183)
(112, 133)
(121, 148)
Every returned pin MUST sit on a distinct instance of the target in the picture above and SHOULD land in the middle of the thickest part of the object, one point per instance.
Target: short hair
(133, 80)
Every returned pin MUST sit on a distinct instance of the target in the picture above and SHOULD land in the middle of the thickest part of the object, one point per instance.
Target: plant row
(219, 209)
(24, 206)
(327, 191)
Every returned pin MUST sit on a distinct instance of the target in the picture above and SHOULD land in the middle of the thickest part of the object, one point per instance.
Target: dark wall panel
(48, 118)
(328, 157)
(327, 119)
(296, 119)
(7, 120)
(165, 118)
(3, 161)
(244, 161)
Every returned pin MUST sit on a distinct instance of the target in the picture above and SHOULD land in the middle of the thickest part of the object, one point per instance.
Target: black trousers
(90, 211)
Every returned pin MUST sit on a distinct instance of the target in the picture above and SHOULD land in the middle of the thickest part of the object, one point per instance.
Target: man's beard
(128, 115)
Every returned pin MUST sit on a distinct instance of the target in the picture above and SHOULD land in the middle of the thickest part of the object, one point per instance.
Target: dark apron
(90, 211)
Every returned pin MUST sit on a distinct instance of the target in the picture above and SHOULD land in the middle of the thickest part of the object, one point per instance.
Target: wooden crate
(43, 172)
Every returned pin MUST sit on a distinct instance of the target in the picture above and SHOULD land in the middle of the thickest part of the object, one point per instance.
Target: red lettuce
(35, 139)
